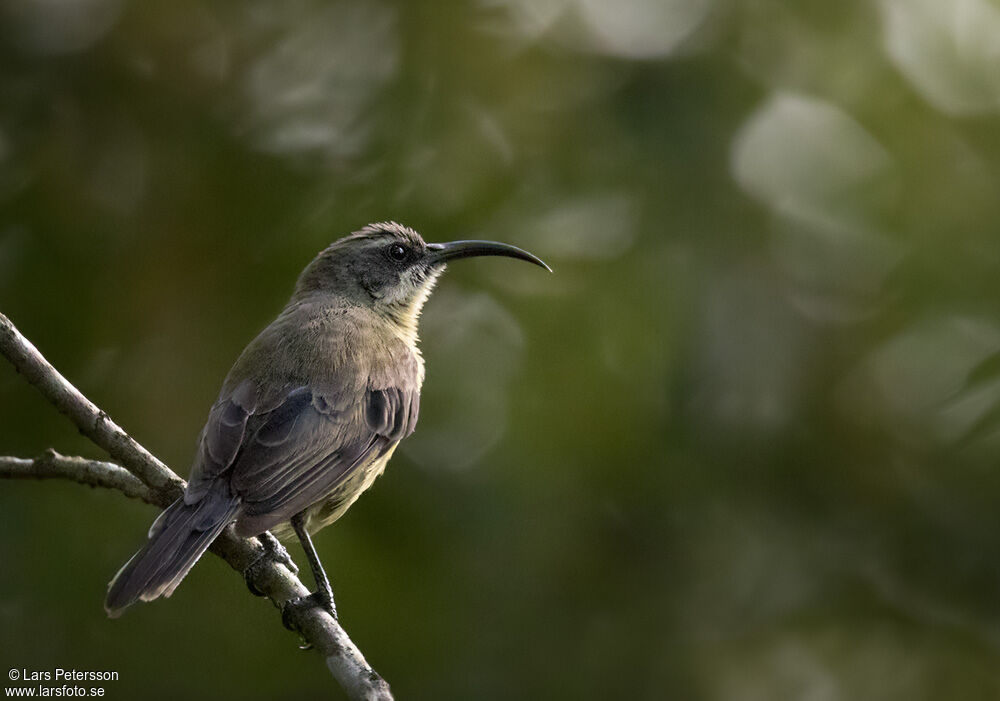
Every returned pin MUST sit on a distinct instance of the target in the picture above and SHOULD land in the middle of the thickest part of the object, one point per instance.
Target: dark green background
(742, 445)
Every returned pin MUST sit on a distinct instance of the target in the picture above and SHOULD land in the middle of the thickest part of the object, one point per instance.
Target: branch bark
(94, 473)
(145, 477)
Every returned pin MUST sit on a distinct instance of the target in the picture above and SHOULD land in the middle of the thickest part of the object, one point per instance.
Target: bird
(310, 412)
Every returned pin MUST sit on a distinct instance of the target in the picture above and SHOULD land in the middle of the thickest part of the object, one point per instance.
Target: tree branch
(94, 473)
(89, 419)
(162, 487)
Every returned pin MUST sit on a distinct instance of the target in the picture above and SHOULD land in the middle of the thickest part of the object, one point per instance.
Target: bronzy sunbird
(312, 410)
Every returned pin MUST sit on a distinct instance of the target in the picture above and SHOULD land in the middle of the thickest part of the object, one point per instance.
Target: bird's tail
(177, 538)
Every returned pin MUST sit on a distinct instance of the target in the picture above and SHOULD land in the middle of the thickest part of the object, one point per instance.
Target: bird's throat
(404, 314)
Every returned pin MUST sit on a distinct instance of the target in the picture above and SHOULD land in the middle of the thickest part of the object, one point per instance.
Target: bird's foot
(320, 599)
(273, 552)
(277, 552)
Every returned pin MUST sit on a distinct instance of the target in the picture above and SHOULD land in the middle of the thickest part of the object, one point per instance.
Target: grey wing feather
(285, 444)
(290, 453)
(298, 453)
(392, 412)
(220, 440)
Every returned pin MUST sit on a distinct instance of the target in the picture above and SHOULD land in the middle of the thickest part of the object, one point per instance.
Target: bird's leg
(323, 596)
(273, 551)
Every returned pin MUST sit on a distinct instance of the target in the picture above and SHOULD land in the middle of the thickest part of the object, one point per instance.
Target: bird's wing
(220, 440)
(297, 453)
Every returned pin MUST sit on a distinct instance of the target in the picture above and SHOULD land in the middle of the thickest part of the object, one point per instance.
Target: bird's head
(389, 267)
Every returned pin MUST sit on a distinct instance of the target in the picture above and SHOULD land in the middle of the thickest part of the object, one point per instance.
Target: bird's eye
(397, 252)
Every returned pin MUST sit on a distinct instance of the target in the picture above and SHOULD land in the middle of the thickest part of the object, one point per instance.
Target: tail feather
(178, 537)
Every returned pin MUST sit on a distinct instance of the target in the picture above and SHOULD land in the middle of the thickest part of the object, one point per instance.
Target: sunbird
(311, 411)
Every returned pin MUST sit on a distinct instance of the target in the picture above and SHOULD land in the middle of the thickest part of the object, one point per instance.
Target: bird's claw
(273, 552)
(318, 599)
(252, 572)
(277, 552)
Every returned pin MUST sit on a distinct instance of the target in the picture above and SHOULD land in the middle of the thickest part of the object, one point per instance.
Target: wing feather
(298, 447)
(304, 449)
(220, 441)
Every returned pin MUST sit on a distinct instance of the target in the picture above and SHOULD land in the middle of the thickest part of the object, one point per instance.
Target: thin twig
(95, 473)
(92, 422)
(274, 580)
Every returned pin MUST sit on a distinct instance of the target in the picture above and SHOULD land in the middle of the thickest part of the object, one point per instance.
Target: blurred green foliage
(743, 445)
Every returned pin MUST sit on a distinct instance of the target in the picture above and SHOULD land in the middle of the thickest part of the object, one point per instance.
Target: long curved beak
(443, 252)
